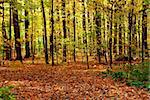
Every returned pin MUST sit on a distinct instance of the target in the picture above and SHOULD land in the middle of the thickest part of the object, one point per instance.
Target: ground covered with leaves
(67, 82)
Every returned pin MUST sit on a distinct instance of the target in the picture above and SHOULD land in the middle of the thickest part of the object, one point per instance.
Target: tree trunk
(27, 45)
(10, 37)
(129, 34)
(64, 30)
(45, 34)
(52, 33)
(74, 30)
(98, 32)
(5, 38)
(85, 33)
(110, 38)
(139, 35)
(120, 35)
(133, 30)
(115, 31)
(144, 33)
(16, 31)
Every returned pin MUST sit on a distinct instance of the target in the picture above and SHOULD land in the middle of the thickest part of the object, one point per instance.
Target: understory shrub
(135, 75)
(6, 94)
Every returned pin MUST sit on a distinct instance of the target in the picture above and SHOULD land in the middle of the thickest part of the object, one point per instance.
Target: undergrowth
(134, 75)
(6, 94)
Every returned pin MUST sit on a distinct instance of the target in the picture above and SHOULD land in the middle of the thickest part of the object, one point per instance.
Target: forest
(74, 49)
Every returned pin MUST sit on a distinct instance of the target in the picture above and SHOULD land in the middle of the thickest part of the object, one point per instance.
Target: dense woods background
(102, 31)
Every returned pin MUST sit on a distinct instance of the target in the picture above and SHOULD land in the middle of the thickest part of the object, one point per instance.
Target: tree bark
(85, 32)
(144, 33)
(98, 32)
(5, 38)
(10, 29)
(52, 33)
(110, 38)
(64, 30)
(45, 33)
(27, 44)
(74, 30)
(16, 31)
(129, 34)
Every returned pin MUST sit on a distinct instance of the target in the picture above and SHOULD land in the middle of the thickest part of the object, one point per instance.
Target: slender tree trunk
(139, 35)
(110, 38)
(64, 30)
(129, 34)
(10, 23)
(45, 33)
(98, 32)
(16, 31)
(133, 30)
(89, 32)
(115, 39)
(144, 33)
(6, 40)
(104, 22)
(74, 30)
(115, 31)
(135, 35)
(52, 33)
(85, 32)
(120, 30)
(32, 39)
(59, 32)
(124, 36)
(69, 35)
(120, 35)
(27, 44)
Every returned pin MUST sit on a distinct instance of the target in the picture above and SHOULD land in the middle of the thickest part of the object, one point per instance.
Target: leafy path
(70, 82)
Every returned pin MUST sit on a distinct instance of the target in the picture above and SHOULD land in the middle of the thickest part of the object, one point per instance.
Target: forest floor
(67, 82)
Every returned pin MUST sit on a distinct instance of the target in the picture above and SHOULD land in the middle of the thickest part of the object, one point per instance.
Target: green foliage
(106, 74)
(138, 75)
(119, 75)
(114, 75)
(147, 2)
(135, 75)
(135, 83)
(5, 93)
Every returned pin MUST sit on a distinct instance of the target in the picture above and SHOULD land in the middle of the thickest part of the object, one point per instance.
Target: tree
(115, 30)
(5, 38)
(27, 44)
(64, 30)
(10, 29)
(110, 38)
(144, 31)
(98, 31)
(85, 33)
(16, 31)
(129, 34)
(74, 30)
(120, 30)
(45, 33)
(52, 33)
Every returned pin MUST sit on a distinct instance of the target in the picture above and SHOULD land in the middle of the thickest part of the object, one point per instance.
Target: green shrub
(106, 74)
(5, 93)
(138, 75)
(135, 83)
(135, 75)
(119, 75)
